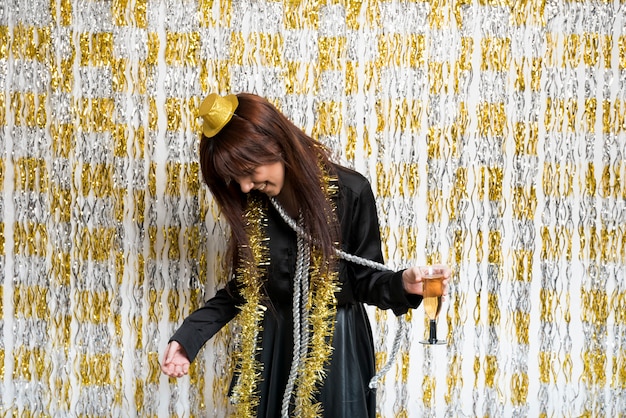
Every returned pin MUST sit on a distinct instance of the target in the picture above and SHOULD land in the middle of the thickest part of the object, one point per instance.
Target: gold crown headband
(216, 111)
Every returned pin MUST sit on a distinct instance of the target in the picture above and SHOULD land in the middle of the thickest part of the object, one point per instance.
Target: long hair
(259, 134)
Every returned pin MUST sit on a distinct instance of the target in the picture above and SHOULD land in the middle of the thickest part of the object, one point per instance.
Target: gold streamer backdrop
(494, 134)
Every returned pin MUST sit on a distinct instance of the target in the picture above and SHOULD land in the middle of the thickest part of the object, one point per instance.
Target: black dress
(345, 391)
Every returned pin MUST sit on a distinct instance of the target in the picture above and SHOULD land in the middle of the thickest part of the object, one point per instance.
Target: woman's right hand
(175, 360)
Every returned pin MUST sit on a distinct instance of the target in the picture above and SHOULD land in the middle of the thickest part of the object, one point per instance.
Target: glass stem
(432, 337)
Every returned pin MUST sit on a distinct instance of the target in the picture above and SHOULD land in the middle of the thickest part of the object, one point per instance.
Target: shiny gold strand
(455, 317)
(524, 205)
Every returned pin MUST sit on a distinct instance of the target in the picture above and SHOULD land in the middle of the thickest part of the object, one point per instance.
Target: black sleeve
(205, 322)
(361, 237)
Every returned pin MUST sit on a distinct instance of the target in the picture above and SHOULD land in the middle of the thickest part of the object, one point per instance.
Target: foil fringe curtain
(493, 132)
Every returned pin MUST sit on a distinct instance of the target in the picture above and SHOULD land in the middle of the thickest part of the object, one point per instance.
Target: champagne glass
(432, 277)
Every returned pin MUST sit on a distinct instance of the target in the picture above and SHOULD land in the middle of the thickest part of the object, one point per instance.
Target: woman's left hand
(413, 278)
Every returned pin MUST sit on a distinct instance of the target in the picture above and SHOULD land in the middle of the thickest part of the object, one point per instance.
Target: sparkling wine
(432, 306)
(432, 294)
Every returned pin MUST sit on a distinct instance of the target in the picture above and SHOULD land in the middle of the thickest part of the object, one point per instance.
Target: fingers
(413, 277)
(167, 357)
(170, 351)
(176, 370)
(175, 361)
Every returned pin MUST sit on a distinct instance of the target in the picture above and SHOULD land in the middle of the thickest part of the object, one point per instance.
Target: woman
(305, 345)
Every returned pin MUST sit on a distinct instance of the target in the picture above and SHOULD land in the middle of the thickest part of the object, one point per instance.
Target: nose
(245, 184)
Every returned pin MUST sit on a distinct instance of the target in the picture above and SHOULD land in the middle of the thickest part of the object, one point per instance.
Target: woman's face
(268, 179)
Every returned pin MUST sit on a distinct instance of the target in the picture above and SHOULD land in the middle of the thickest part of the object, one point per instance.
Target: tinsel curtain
(493, 132)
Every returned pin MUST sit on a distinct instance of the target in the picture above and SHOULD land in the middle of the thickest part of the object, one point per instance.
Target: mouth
(262, 187)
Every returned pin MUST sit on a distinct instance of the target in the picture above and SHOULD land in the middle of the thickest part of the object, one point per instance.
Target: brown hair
(259, 134)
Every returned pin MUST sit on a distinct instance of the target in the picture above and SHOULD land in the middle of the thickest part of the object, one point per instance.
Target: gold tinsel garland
(322, 307)
(251, 314)
(320, 303)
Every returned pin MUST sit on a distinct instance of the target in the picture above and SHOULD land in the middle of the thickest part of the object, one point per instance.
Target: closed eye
(249, 171)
